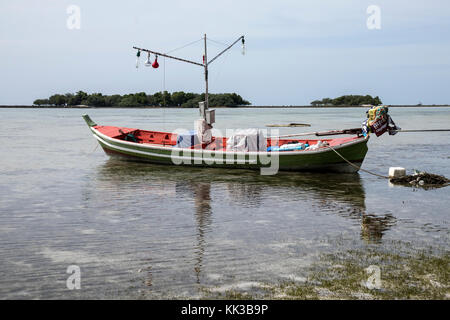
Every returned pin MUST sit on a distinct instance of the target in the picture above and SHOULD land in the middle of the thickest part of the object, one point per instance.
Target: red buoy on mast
(155, 63)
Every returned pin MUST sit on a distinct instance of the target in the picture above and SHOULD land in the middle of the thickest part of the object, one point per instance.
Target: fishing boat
(163, 148)
(245, 150)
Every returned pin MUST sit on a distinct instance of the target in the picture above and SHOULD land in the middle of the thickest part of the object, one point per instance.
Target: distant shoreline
(240, 107)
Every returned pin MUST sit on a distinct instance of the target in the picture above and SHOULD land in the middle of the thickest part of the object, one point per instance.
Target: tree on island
(178, 98)
(57, 100)
(41, 102)
(348, 100)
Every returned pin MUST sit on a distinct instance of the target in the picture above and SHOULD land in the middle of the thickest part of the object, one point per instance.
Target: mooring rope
(96, 146)
(355, 166)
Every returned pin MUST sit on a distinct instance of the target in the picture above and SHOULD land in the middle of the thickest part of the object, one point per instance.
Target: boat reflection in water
(340, 194)
(201, 193)
(209, 195)
(373, 227)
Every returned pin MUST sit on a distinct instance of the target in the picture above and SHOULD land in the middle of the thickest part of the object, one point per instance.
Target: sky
(296, 51)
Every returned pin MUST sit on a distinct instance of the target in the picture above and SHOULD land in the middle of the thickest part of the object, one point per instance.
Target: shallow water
(148, 231)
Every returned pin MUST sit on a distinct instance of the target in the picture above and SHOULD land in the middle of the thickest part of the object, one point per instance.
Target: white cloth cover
(203, 131)
(247, 140)
(318, 145)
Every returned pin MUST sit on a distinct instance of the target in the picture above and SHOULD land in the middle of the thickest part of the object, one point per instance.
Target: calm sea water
(148, 231)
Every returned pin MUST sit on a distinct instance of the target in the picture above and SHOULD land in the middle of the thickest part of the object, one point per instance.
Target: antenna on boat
(207, 115)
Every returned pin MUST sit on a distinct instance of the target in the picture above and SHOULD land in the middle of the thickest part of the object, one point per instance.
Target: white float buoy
(397, 172)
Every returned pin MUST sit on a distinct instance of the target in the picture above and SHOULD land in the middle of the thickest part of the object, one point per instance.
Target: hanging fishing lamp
(148, 63)
(138, 54)
(155, 63)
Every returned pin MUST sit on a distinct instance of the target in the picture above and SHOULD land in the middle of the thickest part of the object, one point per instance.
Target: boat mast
(204, 65)
(206, 81)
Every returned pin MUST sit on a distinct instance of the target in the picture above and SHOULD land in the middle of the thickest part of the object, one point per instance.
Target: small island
(141, 99)
(347, 100)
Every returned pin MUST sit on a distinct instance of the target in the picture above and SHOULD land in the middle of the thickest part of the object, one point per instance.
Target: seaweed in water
(422, 179)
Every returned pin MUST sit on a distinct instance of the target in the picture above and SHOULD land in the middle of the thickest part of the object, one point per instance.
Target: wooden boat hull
(323, 159)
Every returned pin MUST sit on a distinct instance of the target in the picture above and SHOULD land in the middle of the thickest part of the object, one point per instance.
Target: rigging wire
(186, 45)
(221, 66)
(218, 42)
(225, 56)
(164, 74)
(164, 67)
